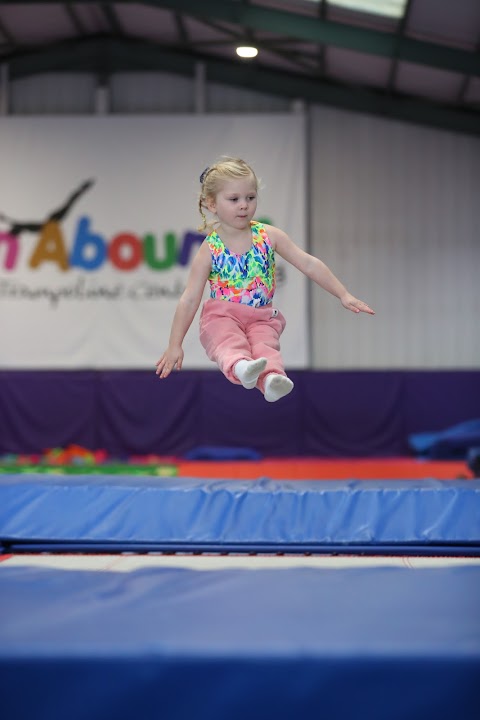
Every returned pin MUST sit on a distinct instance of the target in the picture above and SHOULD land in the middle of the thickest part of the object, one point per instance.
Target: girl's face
(235, 203)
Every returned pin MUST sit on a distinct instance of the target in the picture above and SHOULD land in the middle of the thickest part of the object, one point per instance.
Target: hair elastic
(204, 174)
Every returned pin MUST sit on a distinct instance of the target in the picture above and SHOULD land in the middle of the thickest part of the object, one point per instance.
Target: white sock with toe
(277, 386)
(248, 371)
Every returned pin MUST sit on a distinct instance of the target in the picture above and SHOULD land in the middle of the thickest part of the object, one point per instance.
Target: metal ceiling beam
(230, 36)
(74, 19)
(184, 39)
(7, 34)
(119, 54)
(321, 54)
(400, 34)
(311, 29)
(112, 18)
(466, 81)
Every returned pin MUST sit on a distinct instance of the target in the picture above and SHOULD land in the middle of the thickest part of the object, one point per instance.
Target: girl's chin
(238, 223)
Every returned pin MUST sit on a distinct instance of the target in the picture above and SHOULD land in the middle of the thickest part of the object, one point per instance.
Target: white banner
(98, 229)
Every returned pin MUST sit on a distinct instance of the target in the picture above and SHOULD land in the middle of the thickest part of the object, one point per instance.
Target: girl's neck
(233, 234)
(237, 241)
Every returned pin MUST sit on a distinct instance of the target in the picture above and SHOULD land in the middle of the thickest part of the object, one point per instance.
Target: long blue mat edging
(188, 512)
(180, 643)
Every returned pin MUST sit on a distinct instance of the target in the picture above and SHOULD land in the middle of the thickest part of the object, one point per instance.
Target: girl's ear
(211, 204)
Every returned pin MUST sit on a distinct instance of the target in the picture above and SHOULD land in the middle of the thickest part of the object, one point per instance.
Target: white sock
(277, 386)
(247, 371)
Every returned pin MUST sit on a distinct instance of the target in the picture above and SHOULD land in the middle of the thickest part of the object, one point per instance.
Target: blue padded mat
(452, 443)
(299, 643)
(97, 512)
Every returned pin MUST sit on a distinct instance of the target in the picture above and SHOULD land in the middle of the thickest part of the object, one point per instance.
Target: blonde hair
(213, 178)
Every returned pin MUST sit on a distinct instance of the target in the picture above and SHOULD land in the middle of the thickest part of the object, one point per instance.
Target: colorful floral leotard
(249, 278)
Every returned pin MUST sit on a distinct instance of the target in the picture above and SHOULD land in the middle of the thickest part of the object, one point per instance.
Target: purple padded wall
(351, 413)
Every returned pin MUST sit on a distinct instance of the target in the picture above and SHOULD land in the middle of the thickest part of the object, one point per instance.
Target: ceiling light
(247, 51)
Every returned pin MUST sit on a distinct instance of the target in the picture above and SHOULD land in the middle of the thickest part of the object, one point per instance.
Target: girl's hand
(351, 303)
(171, 358)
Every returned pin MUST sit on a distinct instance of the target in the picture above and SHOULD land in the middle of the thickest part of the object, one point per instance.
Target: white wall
(395, 214)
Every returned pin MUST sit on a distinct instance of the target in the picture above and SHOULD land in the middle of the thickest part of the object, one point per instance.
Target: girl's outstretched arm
(314, 269)
(185, 312)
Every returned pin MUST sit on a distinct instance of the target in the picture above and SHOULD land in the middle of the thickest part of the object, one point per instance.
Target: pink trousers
(230, 332)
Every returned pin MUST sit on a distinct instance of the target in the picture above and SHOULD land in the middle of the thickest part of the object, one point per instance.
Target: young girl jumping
(239, 327)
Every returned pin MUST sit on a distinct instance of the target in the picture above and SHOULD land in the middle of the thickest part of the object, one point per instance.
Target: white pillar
(4, 89)
(200, 88)
(102, 97)
(298, 106)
